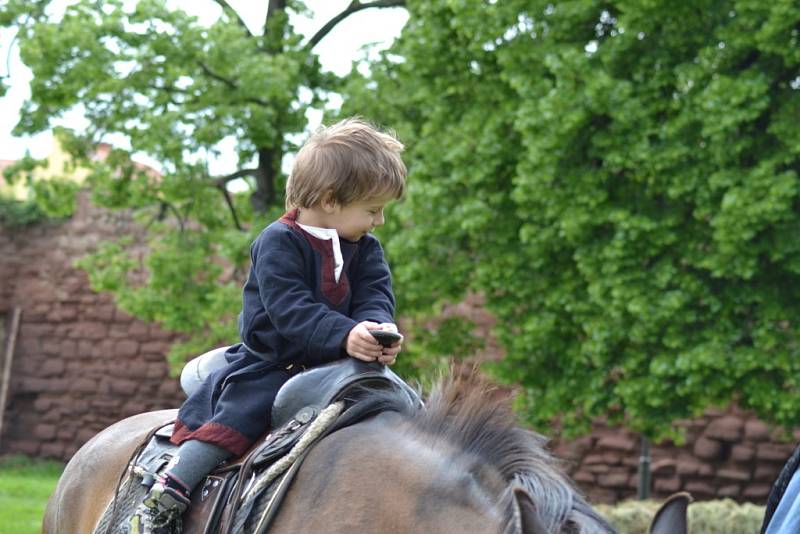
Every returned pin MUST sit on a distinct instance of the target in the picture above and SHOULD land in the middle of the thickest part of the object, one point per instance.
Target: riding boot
(160, 512)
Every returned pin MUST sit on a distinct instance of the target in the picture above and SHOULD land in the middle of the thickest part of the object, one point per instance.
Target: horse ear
(671, 517)
(528, 517)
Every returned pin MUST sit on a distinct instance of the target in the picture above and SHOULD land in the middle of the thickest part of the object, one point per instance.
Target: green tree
(620, 180)
(175, 89)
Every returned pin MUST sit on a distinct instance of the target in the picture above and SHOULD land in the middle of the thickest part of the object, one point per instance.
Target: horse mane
(475, 417)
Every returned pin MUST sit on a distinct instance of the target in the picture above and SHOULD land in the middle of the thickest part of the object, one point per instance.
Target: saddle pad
(115, 520)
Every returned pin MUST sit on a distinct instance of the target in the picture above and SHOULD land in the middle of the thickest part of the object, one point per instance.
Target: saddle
(299, 403)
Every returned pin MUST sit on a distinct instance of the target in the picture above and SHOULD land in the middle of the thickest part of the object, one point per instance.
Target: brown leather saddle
(216, 500)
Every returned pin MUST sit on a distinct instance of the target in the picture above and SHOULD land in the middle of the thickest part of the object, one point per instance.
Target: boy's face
(355, 220)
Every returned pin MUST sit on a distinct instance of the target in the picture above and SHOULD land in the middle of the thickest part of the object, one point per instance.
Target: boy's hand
(390, 353)
(360, 344)
(390, 327)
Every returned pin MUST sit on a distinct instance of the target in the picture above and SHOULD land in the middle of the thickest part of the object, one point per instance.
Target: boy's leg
(169, 496)
(194, 460)
(244, 406)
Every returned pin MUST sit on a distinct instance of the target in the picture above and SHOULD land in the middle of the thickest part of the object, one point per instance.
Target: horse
(461, 464)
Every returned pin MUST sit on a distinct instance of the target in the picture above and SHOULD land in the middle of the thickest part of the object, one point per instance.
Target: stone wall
(727, 454)
(80, 363)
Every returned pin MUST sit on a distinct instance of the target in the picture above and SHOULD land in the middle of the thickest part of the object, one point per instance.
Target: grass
(25, 486)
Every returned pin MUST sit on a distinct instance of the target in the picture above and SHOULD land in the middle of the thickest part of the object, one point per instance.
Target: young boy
(318, 282)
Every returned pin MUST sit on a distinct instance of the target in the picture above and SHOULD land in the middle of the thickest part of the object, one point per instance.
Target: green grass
(25, 486)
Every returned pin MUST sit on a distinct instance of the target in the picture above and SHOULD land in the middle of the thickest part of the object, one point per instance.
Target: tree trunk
(268, 170)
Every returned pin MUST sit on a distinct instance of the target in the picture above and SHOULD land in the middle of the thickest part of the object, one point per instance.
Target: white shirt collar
(332, 235)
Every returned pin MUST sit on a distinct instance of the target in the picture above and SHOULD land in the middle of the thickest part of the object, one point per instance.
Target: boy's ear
(328, 204)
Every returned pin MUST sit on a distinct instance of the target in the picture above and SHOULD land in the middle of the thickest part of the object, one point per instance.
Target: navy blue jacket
(293, 312)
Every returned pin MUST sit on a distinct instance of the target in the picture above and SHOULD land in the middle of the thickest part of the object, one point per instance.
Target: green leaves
(174, 89)
(156, 76)
(177, 91)
(620, 182)
(177, 284)
(19, 213)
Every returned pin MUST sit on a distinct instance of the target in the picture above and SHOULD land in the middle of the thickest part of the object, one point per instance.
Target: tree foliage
(620, 180)
(18, 213)
(175, 89)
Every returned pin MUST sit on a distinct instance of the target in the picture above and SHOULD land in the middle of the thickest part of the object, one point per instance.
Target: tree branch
(188, 97)
(211, 74)
(223, 180)
(221, 183)
(354, 7)
(272, 7)
(231, 207)
(228, 9)
(230, 83)
(163, 207)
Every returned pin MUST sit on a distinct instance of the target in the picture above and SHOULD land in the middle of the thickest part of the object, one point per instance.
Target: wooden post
(643, 489)
(5, 378)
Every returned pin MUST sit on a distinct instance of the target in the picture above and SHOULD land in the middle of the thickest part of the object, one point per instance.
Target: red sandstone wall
(80, 364)
(727, 454)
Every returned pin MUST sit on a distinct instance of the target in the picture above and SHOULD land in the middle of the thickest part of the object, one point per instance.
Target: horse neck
(382, 474)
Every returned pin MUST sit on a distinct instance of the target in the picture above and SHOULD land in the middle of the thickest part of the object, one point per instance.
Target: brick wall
(727, 453)
(80, 364)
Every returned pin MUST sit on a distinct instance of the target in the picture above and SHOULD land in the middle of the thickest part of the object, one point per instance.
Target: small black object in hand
(386, 337)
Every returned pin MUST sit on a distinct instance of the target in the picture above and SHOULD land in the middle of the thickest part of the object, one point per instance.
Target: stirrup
(160, 512)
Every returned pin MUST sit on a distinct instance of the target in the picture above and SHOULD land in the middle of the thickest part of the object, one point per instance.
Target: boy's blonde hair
(353, 160)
